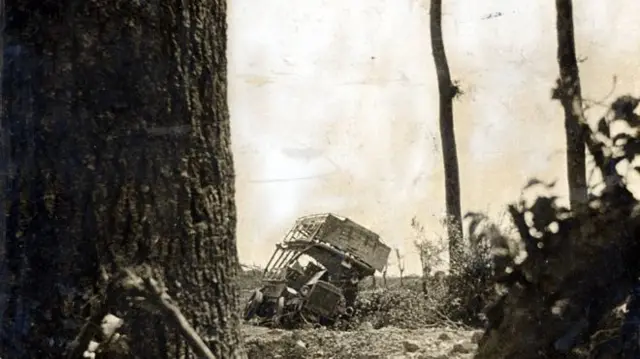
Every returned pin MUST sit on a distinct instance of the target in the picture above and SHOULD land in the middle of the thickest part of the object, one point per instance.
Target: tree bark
(121, 144)
(447, 92)
(570, 95)
(4, 180)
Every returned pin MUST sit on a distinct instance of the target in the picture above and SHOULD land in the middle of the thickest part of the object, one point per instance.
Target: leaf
(476, 221)
(544, 212)
(624, 106)
(631, 149)
(620, 137)
(533, 182)
(603, 127)
(633, 120)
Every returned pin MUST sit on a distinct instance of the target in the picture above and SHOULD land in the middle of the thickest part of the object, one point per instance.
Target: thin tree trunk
(384, 277)
(121, 139)
(425, 275)
(569, 94)
(447, 91)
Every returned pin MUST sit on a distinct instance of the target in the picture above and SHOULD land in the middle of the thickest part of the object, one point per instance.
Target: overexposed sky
(334, 107)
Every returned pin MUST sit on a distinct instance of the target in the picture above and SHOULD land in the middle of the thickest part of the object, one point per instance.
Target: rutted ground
(364, 343)
(389, 309)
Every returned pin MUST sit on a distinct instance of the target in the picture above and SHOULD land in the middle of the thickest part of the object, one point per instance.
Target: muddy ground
(363, 343)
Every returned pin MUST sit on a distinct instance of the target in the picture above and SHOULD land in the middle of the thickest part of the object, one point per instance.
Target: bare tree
(400, 260)
(384, 276)
(121, 142)
(570, 95)
(430, 251)
(447, 91)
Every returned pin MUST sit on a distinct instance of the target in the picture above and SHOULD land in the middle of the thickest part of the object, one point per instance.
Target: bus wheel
(251, 308)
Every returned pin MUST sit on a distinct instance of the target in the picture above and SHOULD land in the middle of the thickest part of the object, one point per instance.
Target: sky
(334, 108)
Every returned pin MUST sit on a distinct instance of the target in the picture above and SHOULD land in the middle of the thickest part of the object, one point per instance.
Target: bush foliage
(564, 298)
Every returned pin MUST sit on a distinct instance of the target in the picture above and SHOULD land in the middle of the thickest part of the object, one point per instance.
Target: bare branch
(155, 293)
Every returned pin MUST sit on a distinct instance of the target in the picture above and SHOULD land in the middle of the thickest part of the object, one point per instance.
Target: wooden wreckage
(313, 274)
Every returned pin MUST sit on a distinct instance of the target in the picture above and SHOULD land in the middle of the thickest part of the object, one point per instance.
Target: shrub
(580, 266)
(400, 307)
(465, 293)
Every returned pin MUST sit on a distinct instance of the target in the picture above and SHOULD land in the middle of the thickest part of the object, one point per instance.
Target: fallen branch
(149, 293)
(155, 294)
(448, 321)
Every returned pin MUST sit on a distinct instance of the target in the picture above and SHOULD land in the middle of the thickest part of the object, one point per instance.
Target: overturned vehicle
(313, 275)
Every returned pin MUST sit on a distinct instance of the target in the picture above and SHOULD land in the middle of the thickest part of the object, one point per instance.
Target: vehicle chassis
(324, 291)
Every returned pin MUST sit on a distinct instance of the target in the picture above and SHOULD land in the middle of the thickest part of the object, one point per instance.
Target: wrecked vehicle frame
(340, 254)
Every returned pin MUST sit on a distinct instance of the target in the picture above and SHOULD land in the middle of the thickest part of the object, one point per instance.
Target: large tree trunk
(447, 92)
(4, 179)
(121, 149)
(569, 94)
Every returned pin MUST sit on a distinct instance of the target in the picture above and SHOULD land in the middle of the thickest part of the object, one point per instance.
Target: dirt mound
(363, 343)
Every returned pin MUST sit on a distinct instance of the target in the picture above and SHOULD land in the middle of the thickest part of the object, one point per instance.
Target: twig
(446, 319)
(449, 321)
